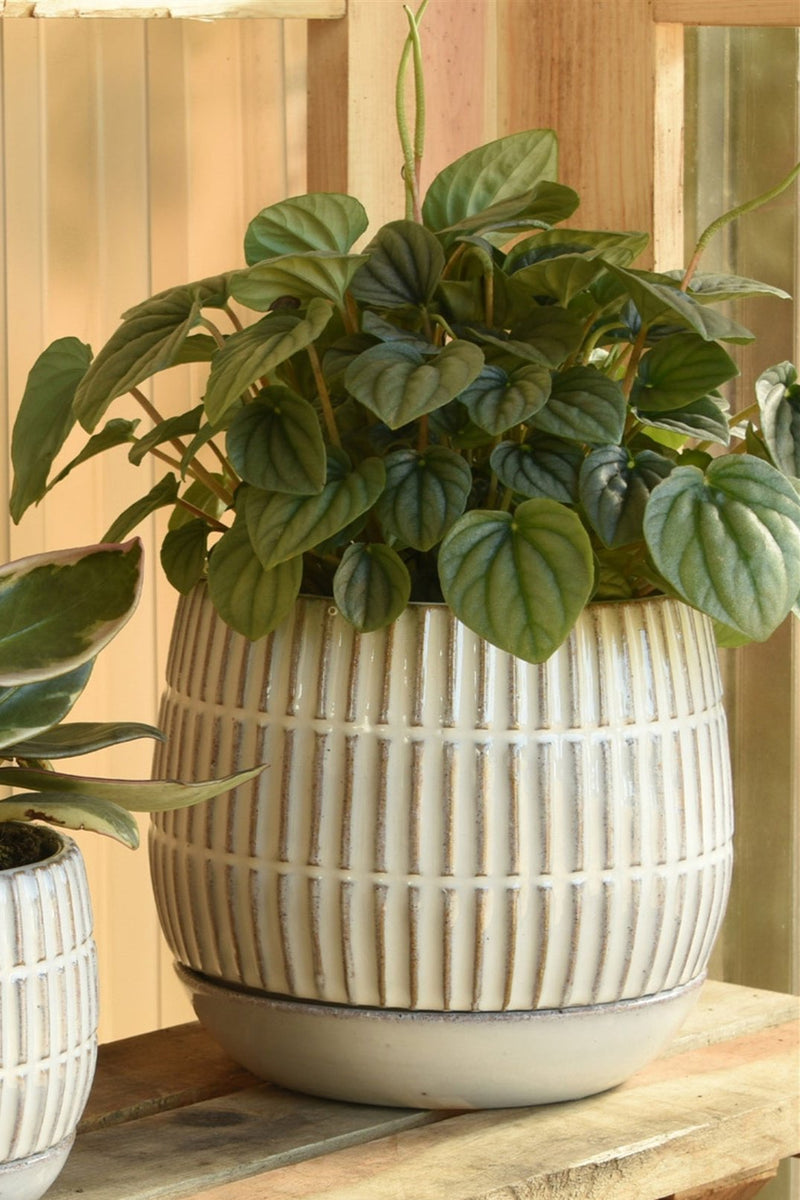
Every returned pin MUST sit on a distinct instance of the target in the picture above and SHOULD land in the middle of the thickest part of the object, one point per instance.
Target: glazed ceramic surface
(443, 827)
(48, 1018)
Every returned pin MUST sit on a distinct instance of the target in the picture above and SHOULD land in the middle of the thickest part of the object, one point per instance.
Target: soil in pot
(21, 845)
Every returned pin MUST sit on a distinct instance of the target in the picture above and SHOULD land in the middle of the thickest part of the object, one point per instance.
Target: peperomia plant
(57, 611)
(481, 407)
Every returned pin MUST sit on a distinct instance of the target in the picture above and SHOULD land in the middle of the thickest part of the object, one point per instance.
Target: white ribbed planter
(48, 1017)
(446, 831)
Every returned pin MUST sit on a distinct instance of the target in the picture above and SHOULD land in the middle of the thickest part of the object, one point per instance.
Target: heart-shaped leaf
(618, 248)
(116, 432)
(615, 488)
(701, 419)
(58, 610)
(518, 580)
(729, 542)
(659, 302)
(679, 369)
(45, 419)
(183, 554)
(540, 207)
(545, 468)
(551, 331)
(28, 709)
(281, 526)
(248, 598)
(778, 394)
(425, 492)
(320, 221)
(323, 274)
(584, 406)
(399, 383)
(164, 493)
(504, 168)
(256, 351)
(173, 427)
(561, 278)
(371, 586)
(275, 443)
(404, 265)
(498, 400)
(148, 340)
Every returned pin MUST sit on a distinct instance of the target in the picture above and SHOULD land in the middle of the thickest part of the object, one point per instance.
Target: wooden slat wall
(134, 153)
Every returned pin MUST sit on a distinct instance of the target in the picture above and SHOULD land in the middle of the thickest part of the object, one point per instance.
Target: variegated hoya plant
(57, 611)
(481, 406)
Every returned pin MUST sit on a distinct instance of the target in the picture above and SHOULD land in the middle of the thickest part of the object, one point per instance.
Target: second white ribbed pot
(445, 832)
(48, 1017)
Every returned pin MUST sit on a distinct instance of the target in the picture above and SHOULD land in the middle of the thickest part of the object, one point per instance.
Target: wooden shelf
(171, 1116)
(199, 9)
(727, 12)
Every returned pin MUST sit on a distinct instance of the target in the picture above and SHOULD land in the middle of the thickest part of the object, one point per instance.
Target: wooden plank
(606, 119)
(732, 1188)
(155, 1072)
(179, 1153)
(728, 12)
(203, 9)
(725, 1012)
(684, 1121)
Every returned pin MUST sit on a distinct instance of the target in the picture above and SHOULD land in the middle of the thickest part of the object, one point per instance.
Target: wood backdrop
(133, 154)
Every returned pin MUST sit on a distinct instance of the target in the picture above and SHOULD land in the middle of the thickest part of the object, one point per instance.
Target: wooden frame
(202, 9)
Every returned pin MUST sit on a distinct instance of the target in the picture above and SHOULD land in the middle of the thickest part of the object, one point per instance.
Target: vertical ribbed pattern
(48, 1003)
(442, 825)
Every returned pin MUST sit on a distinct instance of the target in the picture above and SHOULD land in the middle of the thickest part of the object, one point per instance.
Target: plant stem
(412, 150)
(740, 211)
(422, 437)
(633, 361)
(324, 396)
(204, 516)
(200, 474)
(234, 320)
(211, 327)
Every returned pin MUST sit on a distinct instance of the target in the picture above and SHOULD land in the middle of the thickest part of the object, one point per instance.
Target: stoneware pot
(464, 880)
(48, 1017)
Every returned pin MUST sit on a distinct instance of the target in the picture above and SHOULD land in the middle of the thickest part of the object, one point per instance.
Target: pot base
(29, 1178)
(452, 1060)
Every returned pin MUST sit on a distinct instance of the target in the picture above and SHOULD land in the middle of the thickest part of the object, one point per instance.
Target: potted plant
(453, 535)
(57, 611)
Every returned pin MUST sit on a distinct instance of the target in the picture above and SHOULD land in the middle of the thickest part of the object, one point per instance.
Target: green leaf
(425, 492)
(58, 610)
(519, 581)
(27, 709)
(276, 443)
(320, 221)
(173, 427)
(399, 383)
(371, 586)
(135, 795)
(702, 419)
(562, 278)
(551, 331)
(148, 340)
(659, 302)
(614, 490)
(116, 432)
(183, 554)
(713, 289)
(45, 419)
(729, 542)
(618, 248)
(163, 493)
(778, 395)
(256, 351)
(281, 527)
(404, 265)
(320, 274)
(542, 206)
(679, 369)
(498, 399)
(81, 737)
(248, 598)
(584, 406)
(544, 468)
(73, 812)
(502, 169)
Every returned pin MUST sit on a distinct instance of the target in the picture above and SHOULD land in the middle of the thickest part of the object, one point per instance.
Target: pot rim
(66, 849)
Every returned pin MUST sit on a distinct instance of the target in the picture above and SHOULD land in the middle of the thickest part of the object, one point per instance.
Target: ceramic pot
(445, 833)
(48, 1017)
